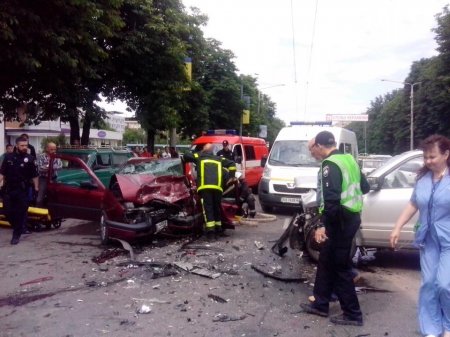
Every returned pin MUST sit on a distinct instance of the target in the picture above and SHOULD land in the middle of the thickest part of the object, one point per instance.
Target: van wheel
(266, 209)
(104, 230)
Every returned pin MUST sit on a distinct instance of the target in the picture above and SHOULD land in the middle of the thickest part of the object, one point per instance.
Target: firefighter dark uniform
(245, 199)
(340, 205)
(212, 171)
(18, 170)
(225, 152)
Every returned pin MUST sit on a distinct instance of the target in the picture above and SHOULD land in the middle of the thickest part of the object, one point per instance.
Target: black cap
(225, 143)
(325, 138)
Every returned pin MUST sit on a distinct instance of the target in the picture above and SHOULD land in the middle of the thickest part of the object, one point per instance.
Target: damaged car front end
(150, 195)
(145, 197)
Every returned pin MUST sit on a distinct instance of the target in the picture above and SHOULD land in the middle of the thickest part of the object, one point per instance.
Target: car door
(382, 207)
(78, 198)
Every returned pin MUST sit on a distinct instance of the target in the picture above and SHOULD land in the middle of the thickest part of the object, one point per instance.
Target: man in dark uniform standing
(212, 171)
(18, 174)
(225, 152)
(340, 205)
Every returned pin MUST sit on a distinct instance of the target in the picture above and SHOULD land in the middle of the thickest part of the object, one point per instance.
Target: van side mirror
(263, 160)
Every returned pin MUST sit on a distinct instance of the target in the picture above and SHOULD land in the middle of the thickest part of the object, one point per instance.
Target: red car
(146, 196)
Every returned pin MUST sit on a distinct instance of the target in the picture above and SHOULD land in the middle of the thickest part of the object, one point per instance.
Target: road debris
(217, 298)
(228, 318)
(151, 300)
(144, 309)
(189, 267)
(126, 246)
(38, 280)
(279, 278)
(259, 245)
(108, 254)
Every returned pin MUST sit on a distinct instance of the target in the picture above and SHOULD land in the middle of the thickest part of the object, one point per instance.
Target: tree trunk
(74, 130)
(173, 137)
(86, 129)
(151, 140)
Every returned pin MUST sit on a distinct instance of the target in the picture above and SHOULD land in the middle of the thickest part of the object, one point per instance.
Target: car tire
(104, 230)
(266, 209)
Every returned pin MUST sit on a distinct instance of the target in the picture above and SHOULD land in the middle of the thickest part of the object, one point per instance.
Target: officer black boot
(220, 232)
(210, 235)
(15, 240)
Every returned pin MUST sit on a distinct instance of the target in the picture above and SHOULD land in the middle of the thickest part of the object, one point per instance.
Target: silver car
(391, 188)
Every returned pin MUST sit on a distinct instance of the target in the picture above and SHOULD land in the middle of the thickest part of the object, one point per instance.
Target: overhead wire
(310, 58)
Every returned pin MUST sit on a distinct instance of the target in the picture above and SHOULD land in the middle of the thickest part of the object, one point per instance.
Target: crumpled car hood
(141, 189)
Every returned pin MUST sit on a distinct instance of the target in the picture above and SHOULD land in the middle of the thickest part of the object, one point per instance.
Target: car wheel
(104, 231)
(313, 248)
(266, 209)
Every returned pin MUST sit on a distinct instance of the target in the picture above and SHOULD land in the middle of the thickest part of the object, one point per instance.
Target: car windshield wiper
(275, 161)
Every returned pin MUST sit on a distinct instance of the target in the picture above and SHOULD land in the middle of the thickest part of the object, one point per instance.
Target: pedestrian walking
(431, 198)
(166, 153)
(18, 174)
(43, 163)
(9, 149)
(212, 172)
(342, 187)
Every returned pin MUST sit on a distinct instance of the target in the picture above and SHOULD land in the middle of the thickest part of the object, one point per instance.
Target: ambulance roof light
(221, 132)
(322, 123)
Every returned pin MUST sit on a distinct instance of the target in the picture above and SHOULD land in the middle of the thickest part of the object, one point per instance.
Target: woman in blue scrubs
(431, 197)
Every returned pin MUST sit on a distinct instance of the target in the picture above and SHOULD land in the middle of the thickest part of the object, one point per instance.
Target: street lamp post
(411, 98)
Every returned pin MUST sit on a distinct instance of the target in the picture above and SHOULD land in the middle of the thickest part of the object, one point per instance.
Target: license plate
(160, 226)
(290, 200)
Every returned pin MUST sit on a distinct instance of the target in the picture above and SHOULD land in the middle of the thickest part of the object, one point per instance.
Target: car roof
(91, 149)
(395, 161)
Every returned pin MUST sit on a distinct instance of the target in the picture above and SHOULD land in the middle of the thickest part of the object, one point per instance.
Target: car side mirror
(238, 160)
(263, 161)
(88, 185)
(375, 183)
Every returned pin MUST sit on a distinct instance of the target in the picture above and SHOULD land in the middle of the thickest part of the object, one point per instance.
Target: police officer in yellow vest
(340, 205)
(212, 173)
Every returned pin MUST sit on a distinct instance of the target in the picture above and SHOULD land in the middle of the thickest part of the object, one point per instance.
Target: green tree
(134, 136)
(54, 56)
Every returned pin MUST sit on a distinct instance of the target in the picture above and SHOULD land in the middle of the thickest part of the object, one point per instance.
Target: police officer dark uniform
(225, 152)
(210, 181)
(340, 205)
(17, 174)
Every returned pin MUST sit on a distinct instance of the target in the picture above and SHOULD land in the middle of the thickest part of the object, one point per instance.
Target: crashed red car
(145, 196)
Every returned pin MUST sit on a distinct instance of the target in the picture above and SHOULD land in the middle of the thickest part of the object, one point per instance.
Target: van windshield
(291, 153)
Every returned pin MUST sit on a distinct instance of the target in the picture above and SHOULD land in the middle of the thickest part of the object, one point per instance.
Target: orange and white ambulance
(247, 151)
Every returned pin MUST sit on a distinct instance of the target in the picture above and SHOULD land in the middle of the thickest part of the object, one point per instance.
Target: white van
(290, 158)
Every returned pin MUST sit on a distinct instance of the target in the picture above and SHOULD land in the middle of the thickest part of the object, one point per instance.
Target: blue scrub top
(435, 213)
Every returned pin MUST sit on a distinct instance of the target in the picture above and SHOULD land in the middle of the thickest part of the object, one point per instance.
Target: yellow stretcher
(37, 218)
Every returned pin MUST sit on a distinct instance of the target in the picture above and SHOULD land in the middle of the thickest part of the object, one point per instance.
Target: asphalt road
(52, 286)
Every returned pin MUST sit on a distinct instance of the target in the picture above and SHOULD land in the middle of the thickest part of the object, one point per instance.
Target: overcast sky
(356, 44)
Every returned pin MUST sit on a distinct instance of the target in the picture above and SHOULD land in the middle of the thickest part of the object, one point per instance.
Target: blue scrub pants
(434, 294)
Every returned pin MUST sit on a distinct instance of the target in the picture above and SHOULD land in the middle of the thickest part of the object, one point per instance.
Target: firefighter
(226, 151)
(211, 172)
(239, 189)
